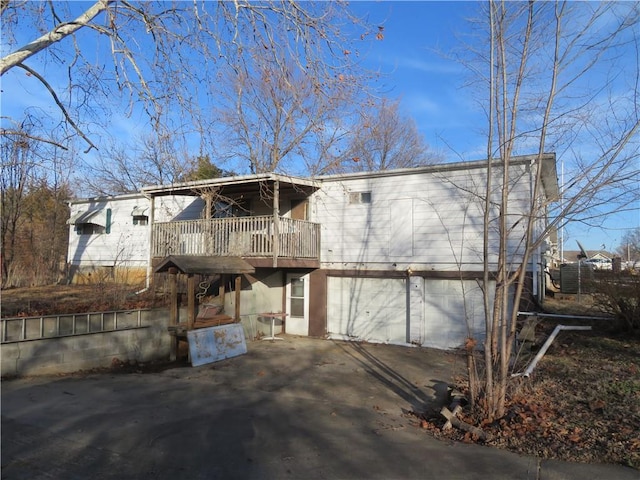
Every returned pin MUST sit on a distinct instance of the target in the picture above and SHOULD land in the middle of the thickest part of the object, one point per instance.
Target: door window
(297, 297)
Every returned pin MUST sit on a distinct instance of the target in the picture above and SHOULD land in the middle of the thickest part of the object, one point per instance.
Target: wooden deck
(258, 236)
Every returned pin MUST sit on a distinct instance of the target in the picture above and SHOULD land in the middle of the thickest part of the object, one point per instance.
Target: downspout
(535, 280)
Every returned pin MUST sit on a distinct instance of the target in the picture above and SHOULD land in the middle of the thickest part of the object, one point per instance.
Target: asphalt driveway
(296, 408)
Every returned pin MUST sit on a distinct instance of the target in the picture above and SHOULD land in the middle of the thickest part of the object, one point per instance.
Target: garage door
(452, 310)
(367, 309)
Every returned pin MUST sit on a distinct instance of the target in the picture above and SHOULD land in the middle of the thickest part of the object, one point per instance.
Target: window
(230, 209)
(359, 197)
(91, 222)
(89, 229)
(140, 216)
(297, 297)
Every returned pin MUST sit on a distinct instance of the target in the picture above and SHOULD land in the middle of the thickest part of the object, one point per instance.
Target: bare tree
(159, 58)
(15, 176)
(384, 139)
(629, 248)
(275, 120)
(125, 168)
(150, 161)
(552, 82)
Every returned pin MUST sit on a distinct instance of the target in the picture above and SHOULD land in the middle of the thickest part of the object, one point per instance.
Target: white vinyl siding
(401, 228)
(127, 242)
(178, 207)
(431, 220)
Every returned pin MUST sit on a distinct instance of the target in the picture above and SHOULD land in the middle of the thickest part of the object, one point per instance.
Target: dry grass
(57, 299)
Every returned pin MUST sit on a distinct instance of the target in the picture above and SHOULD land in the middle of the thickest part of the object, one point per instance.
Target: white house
(391, 256)
(109, 236)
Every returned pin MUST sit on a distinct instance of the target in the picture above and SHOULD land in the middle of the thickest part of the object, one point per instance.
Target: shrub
(619, 296)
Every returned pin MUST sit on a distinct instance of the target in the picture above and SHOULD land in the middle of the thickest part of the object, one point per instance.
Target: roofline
(105, 198)
(435, 168)
(548, 162)
(549, 174)
(225, 181)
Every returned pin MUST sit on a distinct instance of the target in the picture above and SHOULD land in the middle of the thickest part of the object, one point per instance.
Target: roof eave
(189, 187)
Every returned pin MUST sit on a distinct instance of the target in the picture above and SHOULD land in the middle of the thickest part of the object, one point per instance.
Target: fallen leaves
(582, 404)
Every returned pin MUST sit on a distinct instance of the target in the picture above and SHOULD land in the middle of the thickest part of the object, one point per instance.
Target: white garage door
(367, 309)
(443, 312)
(452, 311)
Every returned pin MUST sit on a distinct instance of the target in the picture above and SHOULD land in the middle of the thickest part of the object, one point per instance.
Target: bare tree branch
(161, 61)
(552, 79)
(58, 33)
(6, 132)
(60, 106)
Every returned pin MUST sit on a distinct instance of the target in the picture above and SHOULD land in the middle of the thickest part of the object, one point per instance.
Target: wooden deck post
(191, 301)
(223, 279)
(238, 288)
(276, 222)
(173, 320)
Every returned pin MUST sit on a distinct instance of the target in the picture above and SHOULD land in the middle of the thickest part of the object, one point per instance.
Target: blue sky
(413, 58)
(413, 61)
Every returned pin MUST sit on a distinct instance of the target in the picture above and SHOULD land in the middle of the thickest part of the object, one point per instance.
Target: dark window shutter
(107, 228)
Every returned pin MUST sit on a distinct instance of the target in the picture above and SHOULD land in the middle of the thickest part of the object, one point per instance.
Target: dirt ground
(582, 402)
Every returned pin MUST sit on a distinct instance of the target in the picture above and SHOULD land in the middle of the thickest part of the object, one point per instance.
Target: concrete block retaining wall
(79, 352)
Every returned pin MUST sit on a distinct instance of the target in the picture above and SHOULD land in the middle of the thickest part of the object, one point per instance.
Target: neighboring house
(598, 259)
(390, 256)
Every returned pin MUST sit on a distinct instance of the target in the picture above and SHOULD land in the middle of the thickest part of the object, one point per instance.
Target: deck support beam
(191, 300)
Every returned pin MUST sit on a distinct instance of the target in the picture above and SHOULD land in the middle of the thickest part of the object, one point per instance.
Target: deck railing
(240, 236)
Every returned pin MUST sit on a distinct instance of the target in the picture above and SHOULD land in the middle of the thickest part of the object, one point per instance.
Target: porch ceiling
(205, 265)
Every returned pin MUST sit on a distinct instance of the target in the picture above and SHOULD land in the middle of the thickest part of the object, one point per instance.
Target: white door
(453, 310)
(367, 309)
(297, 322)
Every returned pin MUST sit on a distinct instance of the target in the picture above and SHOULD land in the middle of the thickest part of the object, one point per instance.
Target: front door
(297, 322)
